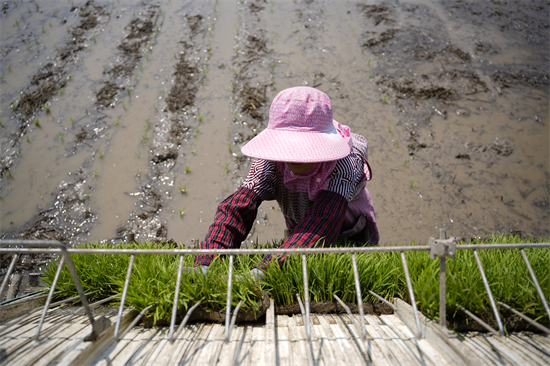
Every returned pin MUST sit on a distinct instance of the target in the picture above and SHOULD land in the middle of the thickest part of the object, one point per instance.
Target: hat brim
(297, 146)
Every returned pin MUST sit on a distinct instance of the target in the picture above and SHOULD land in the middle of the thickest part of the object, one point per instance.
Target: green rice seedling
(406, 164)
(47, 109)
(299, 40)
(200, 117)
(385, 99)
(230, 148)
(1, 125)
(17, 23)
(8, 174)
(183, 190)
(138, 154)
(60, 136)
(226, 168)
(100, 154)
(368, 63)
(148, 124)
(352, 30)
(72, 121)
(371, 75)
(9, 68)
(138, 174)
(123, 104)
(18, 153)
(43, 29)
(37, 122)
(413, 186)
(187, 169)
(193, 151)
(96, 173)
(28, 140)
(117, 121)
(50, 24)
(182, 212)
(70, 77)
(36, 5)
(29, 46)
(55, 13)
(195, 133)
(145, 138)
(61, 90)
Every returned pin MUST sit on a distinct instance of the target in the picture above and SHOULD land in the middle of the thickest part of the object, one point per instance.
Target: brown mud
(49, 80)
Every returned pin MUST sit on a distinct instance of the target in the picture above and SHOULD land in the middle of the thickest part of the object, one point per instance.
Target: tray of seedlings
(153, 283)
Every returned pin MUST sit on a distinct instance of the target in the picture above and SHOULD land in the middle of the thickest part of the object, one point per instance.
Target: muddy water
(452, 96)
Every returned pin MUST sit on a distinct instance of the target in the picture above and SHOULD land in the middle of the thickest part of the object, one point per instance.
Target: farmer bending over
(314, 167)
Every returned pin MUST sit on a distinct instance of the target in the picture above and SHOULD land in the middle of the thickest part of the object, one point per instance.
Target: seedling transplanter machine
(102, 328)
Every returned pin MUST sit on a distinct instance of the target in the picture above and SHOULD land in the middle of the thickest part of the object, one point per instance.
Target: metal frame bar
(50, 295)
(525, 317)
(488, 289)
(8, 273)
(65, 253)
(359, 298)
(307, 321)
(123, 299)
(348, 310)
(176, 298)
(289, 251)
(395, 310)
(411, 294)
(184, 321)
(310, 355)
(537, 285)
(133, 323)
(479, 321)
(229, 293)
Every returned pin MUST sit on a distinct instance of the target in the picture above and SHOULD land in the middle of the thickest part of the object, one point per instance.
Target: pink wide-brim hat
(300, 130)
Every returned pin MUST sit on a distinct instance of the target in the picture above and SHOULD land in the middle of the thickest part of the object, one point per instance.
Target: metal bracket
(442, 247)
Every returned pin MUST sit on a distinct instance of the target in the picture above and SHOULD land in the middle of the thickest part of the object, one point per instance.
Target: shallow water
(315, 43)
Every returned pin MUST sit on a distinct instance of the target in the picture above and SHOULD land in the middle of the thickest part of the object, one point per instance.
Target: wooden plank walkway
(279, 340)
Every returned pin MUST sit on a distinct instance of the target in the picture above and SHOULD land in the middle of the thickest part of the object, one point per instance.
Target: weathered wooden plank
(402, 350)
(347, 342)
(138, 337)
(228, 350)
(207, 351)
(46, 345)
(161, 341)
(338, 351)
(381, 341)
(501, 348)
(257, 346)
(448, 344)
(270, 335)
(427, 352)
(144, 354)
(176, 351)
(283, 346)
(328, 345)
(526, 351)
(18, 308)
(86, 352)
(534, 344)
(196, 345)
(297, 346)
(480, 352)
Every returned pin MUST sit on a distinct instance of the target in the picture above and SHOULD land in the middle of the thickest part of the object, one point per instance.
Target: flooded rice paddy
(124, 119)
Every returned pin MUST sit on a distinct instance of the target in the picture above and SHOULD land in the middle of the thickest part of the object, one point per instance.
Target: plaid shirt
(309, 221)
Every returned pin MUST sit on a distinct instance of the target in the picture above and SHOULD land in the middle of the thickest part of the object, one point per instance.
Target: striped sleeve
(321, 224)
(347, 175)
(262, 179)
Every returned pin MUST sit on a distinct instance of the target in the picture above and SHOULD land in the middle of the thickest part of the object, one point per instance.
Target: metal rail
(29, 247)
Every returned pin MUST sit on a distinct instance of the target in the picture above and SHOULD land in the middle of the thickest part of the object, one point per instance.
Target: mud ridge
(131, 50)
(52, 77)
(169, 132)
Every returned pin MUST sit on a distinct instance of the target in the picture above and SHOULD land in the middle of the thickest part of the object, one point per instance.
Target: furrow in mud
(50, 79)
(175, 127)
(250, 83)
(122, 76)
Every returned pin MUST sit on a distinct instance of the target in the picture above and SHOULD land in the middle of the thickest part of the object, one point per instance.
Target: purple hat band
(300, 130)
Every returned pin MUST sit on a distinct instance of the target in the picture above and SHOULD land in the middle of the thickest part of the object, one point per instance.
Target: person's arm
(236, 214)
(323, 221)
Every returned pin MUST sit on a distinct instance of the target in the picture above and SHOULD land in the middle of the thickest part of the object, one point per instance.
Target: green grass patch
(153, 279)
